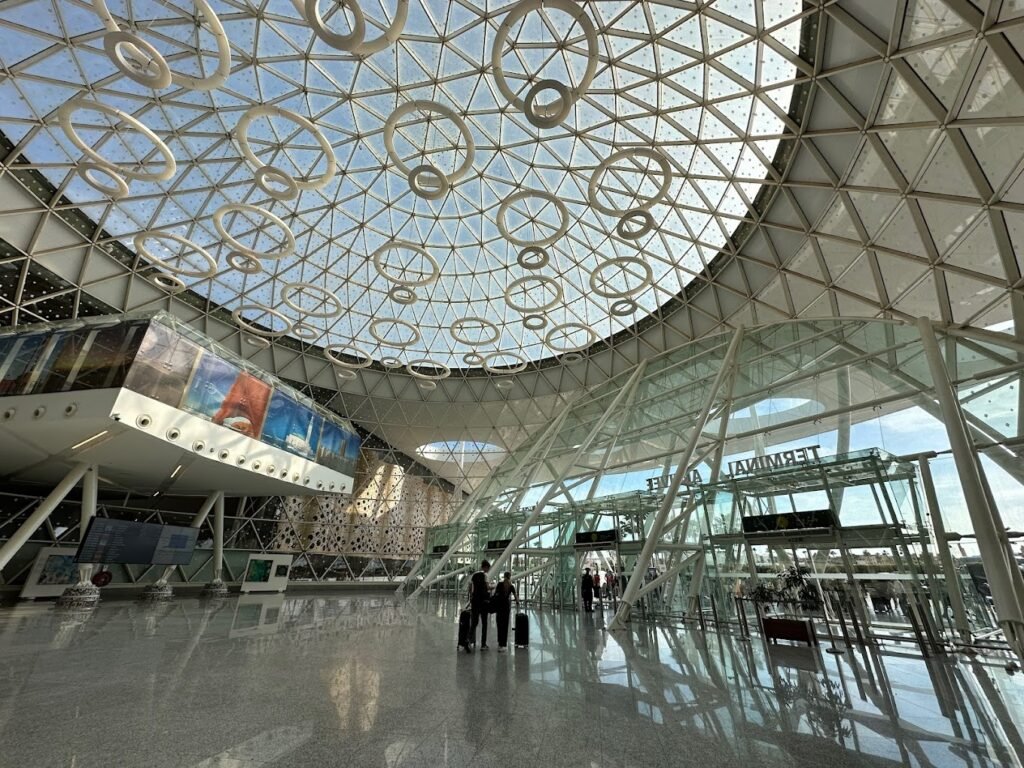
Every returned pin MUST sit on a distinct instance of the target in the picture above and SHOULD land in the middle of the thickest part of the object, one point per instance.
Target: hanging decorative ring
(267, 176)
(240, 262)
(492, 366)
(403, 295)
(508, 202)
(624, 227)
(533, 257)
(417, 186)
(459, 327)
(501, 44)
(535, 322)
(334, 352)
(137, 59)
(414, 333)
(331, 305)
(286, 248)
(168, 283)
(269, 110)
(68, 109)
(139, 241)
(523, 282)
(632, 153)
(434, 187)
(620, 261)
(355, 41)
(552, 115)
(116, 191)
(413, 366)
(565, 330)
(377, 259)
(204, 13)
(248, 327)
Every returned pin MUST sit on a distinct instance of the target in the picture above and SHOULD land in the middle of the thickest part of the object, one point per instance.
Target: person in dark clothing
(479, 597)
(504, 594)
(587, 591)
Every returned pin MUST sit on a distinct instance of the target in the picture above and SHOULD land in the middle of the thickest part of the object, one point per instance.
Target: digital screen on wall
(129, 542)
(163, 365)
(293, 426)
(225, 395)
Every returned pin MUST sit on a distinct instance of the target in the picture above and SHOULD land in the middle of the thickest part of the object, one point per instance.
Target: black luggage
(465, 623)
(521, 636)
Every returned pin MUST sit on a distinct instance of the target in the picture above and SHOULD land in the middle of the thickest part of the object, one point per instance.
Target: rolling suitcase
(521, 633)
(465, 623)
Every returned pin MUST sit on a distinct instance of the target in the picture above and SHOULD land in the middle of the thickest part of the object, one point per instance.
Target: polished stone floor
(355, 681)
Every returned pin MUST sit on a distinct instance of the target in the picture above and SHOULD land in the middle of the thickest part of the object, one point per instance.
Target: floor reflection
(283, 680)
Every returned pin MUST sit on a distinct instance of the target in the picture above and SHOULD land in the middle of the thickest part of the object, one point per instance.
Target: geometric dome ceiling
(449, 185)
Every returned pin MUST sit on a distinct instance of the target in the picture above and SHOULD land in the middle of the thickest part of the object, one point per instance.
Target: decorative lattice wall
(386, 515)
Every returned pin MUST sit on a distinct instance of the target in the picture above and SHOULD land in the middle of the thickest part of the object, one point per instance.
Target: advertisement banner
(163, 366)
(292, 426)
(223, 394)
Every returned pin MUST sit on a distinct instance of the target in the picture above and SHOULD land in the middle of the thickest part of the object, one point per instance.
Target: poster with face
(223, 394)
(163, 365)
(292, 426)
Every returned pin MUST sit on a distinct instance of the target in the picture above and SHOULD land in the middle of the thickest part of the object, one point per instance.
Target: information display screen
(128, 542)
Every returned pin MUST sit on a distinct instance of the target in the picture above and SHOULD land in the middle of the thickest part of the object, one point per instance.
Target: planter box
(801, 630)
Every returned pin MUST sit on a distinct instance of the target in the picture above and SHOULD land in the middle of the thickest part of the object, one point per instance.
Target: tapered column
(84, 594)
(216, 587)
(46, 506)
(682, 467)
(1002, 572)
(553, 488)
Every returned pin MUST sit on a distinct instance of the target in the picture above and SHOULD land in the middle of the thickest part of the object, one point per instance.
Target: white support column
(538, 508)
(21, 536)
(956, 598)
(216, 588)
(84, 594)
(544, 439)
(1001, 569)
(683, 466)
(160, 590)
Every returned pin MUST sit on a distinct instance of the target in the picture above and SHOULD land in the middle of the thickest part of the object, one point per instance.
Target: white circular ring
(257, 341)
(629, 154)
(410, 368)
(394, 321)
(500, 43)
(305, 332)
(287, 248)
(522, 281)
(508, 202)
(425, 105)
(535, 322)
(155, 234)
(632, 216)
(404, 295)
(168, 283)
(345, 374)
(153, 74)
(561, 328)
(240, 262)
(519, 367)
(426, 385)
(267, 175)
(458, 327)
(473, 359)
(288, 291)
(442, 187)
(248, 327)
(571, 358)
(503, 384)
(69, 108)
(117, 191)
(554, 113)
(391, 362)
(311, 13)
(363, 47)
(524, 260)
(435, 269)
(604, 292)
(269, 110)
(623, 308)
(215, 28)
(332, 352)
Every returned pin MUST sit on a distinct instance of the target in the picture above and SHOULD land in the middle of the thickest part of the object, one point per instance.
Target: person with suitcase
(504, 593)
(479, 604)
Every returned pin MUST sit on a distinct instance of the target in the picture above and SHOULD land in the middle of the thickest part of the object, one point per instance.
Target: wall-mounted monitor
(129, 542)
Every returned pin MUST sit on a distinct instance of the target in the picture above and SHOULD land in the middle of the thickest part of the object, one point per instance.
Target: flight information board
(129, 542)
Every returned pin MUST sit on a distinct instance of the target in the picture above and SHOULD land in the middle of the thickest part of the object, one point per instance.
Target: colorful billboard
(292, 425)
(223, 394)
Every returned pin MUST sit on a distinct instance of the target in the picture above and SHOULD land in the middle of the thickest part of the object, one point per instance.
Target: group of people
(486, 597)
(590, 587)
